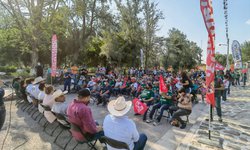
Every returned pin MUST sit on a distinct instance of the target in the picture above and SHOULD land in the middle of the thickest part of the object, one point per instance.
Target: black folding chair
(90, 141)
(47, 108)
(65, 125)
(114, 143)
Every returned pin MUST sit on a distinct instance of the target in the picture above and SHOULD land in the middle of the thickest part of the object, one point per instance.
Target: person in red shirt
(80, 114)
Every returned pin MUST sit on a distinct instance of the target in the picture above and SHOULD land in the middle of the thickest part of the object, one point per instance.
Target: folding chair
(65, 125)
(50, 117)
(90, 141)
(114, 143)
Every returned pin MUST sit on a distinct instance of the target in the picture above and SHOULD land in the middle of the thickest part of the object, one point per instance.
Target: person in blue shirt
(67, 80)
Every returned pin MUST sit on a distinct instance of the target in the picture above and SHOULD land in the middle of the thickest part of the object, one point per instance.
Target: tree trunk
(34, 58)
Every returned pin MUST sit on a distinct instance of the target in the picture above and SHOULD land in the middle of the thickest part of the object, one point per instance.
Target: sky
(186, 16)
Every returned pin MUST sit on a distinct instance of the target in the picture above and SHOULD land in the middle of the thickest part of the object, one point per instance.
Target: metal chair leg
(38, 115)
(27, 105)
(75, 146)
(32, 116)
(68, 142)
(54, 130)
(57, 136)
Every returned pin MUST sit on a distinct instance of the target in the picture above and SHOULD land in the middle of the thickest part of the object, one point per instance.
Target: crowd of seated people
(177, 101)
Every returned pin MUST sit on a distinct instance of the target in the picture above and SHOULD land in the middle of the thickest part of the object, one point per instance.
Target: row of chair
(39, 113)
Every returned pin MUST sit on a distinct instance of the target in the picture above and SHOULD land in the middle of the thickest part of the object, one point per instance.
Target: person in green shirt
(237, 77)
(147, 96)
(164, 104)
(16, 86)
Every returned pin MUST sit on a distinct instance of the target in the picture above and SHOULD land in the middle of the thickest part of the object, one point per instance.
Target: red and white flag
(139, 107)
(207, 13)
(54, 56)
(218, 66)
(163, 88)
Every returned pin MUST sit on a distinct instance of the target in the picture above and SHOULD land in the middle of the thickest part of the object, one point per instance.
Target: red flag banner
(207, 13)
(163, 87)
(218, 66)
(54, 56)
(139, 107)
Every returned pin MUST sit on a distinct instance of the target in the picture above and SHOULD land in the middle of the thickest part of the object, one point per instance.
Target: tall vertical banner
(54, 56)
(237, 57)
(142, 61)
(207, 13)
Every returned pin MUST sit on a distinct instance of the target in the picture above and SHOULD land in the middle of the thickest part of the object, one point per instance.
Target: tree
(245, 47)
(222, 59)
(151, 16)
(31, 18)
(181, 53)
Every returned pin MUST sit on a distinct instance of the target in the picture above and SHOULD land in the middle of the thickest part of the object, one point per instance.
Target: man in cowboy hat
(117, 126)
(80, 114)
(59, 106)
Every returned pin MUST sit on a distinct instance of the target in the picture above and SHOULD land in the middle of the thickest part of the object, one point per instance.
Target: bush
(8, 69)
(22, 74)
(92, 69)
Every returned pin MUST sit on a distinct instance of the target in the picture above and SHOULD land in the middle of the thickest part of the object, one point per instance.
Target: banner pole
(210, 119)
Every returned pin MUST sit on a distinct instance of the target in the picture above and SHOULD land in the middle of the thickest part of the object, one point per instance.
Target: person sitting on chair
(60, 106)
(117, 126)
(183, 108)
(147, 96)
(164, 104)
(104, 95)
(80, 114)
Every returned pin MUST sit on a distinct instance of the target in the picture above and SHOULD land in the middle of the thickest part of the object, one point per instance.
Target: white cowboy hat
(119, 107)
(58, 93)
(38, 80)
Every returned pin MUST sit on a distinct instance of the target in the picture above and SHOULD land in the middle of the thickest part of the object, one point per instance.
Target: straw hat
(119, 107)
(38, 80)
(58, 93)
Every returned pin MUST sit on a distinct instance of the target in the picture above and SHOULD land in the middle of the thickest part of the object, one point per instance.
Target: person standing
(119, 127)
(39, 70)
(2, 107)
(218, 87)
(226, 85)
(237, 77)
(67, 80)
(244, 79)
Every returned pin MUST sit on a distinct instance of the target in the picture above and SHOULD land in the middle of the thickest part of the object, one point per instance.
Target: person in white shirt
(119, 127)
(41, 94)
(226, 85)
(116, 89)
(28, 89)
(35, 89)
(60, 106)
(48, 98)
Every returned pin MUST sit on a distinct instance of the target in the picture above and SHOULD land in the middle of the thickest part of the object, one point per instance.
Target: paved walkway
(25, 133)
(232, 134)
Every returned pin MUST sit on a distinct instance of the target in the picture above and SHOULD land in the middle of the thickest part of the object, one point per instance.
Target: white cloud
(248, 22)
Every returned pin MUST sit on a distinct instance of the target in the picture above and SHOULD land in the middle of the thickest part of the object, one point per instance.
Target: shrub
(8, 69)
(22, 74)
(92, 69)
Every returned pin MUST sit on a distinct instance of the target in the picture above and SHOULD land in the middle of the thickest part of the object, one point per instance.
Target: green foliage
(23, 74)
(222, 59)
(181, 53)
(245, 49)
(89, 33)
(8, 69)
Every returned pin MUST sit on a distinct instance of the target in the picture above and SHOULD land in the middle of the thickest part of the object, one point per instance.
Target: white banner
(236, 52)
